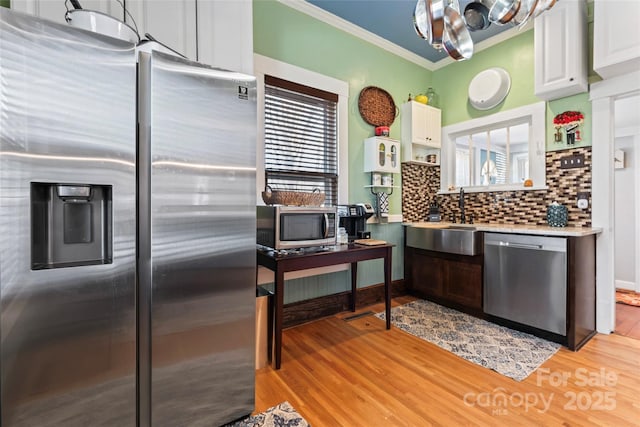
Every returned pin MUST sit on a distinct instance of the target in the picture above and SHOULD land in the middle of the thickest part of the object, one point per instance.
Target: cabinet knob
(570, 79)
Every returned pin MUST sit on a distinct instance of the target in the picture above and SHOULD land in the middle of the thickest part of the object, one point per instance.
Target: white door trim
(636, 150)
(603, 95)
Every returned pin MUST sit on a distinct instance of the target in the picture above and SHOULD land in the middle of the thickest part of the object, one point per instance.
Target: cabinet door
(421, 129)
(427, 275)
(561, 50)
(433, 126)
(55, 10)
(463, 283)
(418, 123)
(225, 34)
(381, 155)
(414, 124)
(171, 22)
(616, 48)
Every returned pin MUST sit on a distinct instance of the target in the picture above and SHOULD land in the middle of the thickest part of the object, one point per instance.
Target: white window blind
(301, 143)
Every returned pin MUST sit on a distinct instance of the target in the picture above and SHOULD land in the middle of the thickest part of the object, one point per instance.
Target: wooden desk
(340, 254)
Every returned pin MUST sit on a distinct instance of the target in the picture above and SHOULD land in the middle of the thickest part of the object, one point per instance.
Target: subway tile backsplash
(420, 185)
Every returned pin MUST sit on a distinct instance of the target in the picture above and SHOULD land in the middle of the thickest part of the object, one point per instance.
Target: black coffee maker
(354, 220)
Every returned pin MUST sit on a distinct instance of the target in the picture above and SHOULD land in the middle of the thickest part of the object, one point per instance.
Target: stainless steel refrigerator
(127, 217)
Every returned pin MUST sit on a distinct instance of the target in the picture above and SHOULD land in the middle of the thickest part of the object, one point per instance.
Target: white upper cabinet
(616, 40)
(55, 10)
(421, 124)
(560, 45)
(214, 32)
(421, 132)
(225, 34)
(171, 22)
(381, 154)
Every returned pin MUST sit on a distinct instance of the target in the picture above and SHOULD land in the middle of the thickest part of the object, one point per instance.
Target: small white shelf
(382, 186)
(434, 146)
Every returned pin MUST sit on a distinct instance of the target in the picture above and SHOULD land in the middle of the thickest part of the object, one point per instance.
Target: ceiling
(393, 20)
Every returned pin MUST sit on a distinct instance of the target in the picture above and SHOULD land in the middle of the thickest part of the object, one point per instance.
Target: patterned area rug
(282, 415)
(628, 297)
(511, 353)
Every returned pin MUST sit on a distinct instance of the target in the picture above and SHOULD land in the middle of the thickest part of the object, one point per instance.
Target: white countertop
(516, 229)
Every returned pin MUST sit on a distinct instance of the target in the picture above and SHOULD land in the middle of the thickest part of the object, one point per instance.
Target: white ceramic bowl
(489, 88)
(102, 23)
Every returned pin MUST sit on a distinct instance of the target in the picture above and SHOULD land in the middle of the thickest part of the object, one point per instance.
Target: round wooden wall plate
(376, 106)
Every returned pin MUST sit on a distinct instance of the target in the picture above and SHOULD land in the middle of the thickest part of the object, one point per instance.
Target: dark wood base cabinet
(451, 280)
(456, 281)
(581, 291)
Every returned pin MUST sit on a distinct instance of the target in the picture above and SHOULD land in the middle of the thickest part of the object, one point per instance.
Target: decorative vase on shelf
(557, 215)
(432, 97)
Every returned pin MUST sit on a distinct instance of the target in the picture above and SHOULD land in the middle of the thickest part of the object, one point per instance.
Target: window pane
(494, 157)
(494, 169)
(479, 143)
(463, 160)
(496, 153)
(519, 152)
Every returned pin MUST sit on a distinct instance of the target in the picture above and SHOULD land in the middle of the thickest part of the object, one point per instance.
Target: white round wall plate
(489, 88)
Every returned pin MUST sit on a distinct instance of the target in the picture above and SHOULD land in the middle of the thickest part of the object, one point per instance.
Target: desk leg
(387, 287)
(354, 284)
(279, 306)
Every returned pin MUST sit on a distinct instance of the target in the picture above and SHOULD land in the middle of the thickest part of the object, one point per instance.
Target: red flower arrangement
(567, 118)
(570, 121)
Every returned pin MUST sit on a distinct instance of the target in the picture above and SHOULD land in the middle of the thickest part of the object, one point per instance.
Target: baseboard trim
(305, 311)
(623, 284)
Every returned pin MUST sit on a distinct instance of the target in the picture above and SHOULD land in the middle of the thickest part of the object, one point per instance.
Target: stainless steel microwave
(289, 227)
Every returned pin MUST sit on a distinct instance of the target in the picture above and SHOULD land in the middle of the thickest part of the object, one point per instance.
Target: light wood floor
(356, 373)
(628, 321)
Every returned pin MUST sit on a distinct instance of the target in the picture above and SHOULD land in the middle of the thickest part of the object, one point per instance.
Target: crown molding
(350, 28)
(354, 30)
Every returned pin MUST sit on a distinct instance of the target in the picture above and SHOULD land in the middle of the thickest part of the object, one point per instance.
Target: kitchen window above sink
(498, 152)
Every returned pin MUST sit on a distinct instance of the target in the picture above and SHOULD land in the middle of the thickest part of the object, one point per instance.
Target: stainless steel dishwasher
(525, 280)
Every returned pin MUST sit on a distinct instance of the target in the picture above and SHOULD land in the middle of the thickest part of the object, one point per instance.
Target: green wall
(516, 55)
(284, 34)
(287, 35)
(5, 3)
(452, 82)
(578, 102)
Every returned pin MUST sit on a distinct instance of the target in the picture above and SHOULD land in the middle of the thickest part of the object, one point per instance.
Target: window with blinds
(301, 138)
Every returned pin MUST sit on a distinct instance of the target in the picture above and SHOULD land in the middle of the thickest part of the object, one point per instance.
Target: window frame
(267, 66)
(534, 113)
(301, 138)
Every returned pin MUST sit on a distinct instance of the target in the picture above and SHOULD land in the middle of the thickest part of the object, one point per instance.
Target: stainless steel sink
(462, 240)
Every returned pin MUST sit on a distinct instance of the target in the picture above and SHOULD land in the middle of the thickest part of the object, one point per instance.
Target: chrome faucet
(461, 205)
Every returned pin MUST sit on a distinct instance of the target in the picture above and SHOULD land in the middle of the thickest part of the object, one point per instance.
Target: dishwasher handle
(520, 245)
(537, 246)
